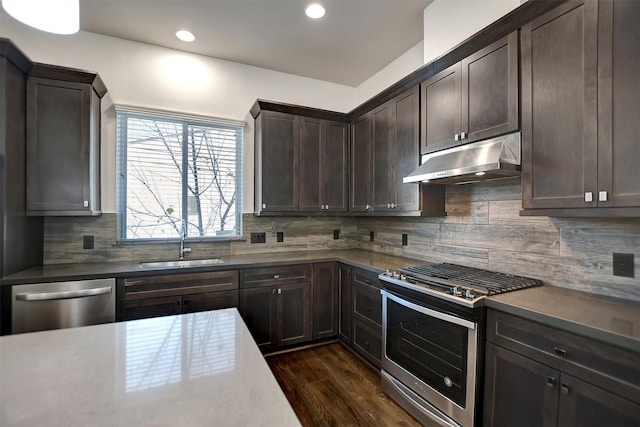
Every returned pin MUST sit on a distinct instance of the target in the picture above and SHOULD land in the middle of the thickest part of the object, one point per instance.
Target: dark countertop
(613, 321)
(375, 262)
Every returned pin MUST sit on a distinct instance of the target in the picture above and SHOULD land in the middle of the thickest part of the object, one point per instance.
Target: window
(173, 170)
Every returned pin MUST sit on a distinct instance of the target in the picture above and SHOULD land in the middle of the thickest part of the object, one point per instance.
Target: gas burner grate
(490, 282)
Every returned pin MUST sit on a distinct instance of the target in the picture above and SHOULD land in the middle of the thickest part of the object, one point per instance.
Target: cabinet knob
(279, 291)
(602, 196)
(276, 276)
(264, 206)
(178, 302)
(367, 207)
(86, 203)
(463, 135)
(588, 197)
(564, 389)
(326, 207)
(388, 205)
(456, 137)
(274, 291)
(551, 382)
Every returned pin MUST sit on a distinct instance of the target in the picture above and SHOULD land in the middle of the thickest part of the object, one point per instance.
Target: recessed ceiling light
(59, 16)
(314, 11)
(185, 36)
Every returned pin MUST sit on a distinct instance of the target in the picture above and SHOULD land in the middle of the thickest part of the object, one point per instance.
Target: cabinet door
(325, 300)
(584, 405)
(150, 307)
(258, 310)
(490, 90)
(58, 144)
(441, 109)
(406, 150)
(294, 323)
(361, 164)
(618, 106)
(311, 152)
(559, 107)
(335, 167)
(344, 313)
(278, 157)
(209, 301)
(518, 391)
(383, 157)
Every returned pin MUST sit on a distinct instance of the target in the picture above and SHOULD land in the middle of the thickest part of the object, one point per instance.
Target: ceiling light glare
(185, 36)
(52, 16)
(314, 11)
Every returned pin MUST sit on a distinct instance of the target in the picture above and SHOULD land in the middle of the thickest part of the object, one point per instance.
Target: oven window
(433, 350)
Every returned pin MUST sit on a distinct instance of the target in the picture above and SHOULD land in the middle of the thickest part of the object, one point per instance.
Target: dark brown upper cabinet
(324, 165)
(474, 99)
(63, 141)
(277, 143)
(580, 111)
(302, 160)
(384, 151)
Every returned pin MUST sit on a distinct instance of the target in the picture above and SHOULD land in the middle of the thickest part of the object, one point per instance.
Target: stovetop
(467, 286)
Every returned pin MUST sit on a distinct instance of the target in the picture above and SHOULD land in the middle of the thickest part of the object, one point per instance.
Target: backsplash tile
(483, 229)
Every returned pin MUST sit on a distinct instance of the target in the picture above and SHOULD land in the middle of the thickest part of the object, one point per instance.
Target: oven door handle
(424, 310)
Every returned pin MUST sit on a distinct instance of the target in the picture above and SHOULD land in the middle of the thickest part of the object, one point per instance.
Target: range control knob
(456, 292)
(395, 274)
(468, 294)
(387, 273)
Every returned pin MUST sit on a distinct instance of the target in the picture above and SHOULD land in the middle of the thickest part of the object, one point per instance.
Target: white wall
(153, 77)
(449, 22)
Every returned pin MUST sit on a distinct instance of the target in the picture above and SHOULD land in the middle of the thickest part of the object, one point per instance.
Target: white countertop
(200, 369)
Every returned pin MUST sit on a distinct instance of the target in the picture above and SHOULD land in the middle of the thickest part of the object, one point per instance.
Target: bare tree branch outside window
(174, 170)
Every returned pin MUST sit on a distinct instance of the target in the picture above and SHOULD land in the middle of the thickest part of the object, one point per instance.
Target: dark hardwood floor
(330, 386)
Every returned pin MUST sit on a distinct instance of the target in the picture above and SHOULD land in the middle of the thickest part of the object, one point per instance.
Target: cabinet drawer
(365, 277)
(367, 304)
(367, 341)
(599, 363)
(269, 276)
(176, 284)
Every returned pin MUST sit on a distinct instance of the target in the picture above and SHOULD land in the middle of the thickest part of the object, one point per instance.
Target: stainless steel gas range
(433, 333)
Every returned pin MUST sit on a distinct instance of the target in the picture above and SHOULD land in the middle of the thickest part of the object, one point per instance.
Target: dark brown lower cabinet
(537, 375)
(165, 295)
(344, 310)
(325, 300)
(366, 315)
(277, 315)
(276, 304)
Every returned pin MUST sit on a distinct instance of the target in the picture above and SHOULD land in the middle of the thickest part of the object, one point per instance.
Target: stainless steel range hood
(478, 161)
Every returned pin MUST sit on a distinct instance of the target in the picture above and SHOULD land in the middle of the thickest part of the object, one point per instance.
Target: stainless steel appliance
(495, 158)
(433, 323)
(56, 305)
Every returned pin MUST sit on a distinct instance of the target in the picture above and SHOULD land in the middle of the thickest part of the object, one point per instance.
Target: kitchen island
(195, 369)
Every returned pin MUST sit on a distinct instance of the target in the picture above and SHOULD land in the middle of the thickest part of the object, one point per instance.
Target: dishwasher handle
(49, 296)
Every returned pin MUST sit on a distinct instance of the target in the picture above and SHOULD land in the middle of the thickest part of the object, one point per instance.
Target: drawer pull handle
(550, 382)
(560, 351)
(276, 276)
(367, 281)
(564, 389)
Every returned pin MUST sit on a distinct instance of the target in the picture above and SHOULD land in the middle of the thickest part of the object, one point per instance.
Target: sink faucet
(183, 235)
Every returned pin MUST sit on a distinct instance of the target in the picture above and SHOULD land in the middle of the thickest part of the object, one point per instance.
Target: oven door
(433, 354)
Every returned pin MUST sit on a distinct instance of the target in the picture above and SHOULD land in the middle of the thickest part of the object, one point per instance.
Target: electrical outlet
(336, 234)
(371, 237)
(623, 265)
(258, 237)
(405, 239)
(280, 236)
(88, 242)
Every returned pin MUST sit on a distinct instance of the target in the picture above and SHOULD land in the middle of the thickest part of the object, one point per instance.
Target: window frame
(122, 113)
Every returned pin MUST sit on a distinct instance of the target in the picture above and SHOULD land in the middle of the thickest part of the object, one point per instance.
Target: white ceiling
(354, 40)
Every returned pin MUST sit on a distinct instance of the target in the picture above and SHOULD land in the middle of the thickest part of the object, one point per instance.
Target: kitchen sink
(183, 263)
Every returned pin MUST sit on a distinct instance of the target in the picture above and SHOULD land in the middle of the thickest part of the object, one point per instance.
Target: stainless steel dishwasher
(56, 305)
